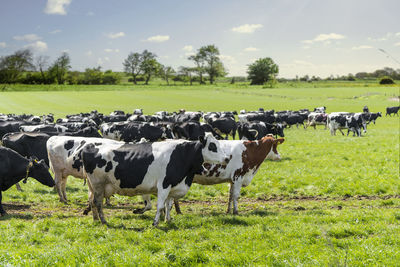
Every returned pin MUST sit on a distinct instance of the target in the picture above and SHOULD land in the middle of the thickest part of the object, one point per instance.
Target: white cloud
(361, 47)
(109, 50)
(188, 48)
(65, 51)
(251, 49)
(106, 58)
(247, 28)
(55, 31)
(228, 59)
(377, 39)
(89, 53)
(397, 34)
(99, 61)
(397, 44)
(56, 7)
(3, 44)
(27, 37)
(37, 46)
(115, 35)
(158, 38)
(90, 13)
(326, 38)
(188, 54)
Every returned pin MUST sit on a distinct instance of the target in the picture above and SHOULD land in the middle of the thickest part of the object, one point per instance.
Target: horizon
(301, 37)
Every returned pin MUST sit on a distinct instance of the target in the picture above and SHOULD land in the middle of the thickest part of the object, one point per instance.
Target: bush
(386, 80)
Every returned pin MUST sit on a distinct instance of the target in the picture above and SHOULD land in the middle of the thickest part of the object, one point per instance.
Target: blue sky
(302, 36)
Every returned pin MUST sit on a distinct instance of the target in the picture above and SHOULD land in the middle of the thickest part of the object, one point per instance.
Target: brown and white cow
(245, 158)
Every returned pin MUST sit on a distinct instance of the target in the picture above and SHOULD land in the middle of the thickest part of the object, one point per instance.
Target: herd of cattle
(137, 154)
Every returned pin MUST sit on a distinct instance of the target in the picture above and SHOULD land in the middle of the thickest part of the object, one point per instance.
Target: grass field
(331, 200)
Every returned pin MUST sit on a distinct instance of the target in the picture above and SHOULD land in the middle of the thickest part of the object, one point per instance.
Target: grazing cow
(293, 118)
(245, 158)
(257, 130)
(266, 117)
(227, 126)
(14, 168)
(365, 109)
(345, 120)
(11, 126)
(394, 110)
(316, 118)
(65, 158)
(187, 116)
(166, 168)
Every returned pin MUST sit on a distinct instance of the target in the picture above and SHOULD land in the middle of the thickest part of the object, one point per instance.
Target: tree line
(23, 67)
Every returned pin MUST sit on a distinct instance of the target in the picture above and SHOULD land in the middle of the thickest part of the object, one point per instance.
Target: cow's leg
(58, 182)
(19, 187)
(108, 201)
(341, 131)
(168, 206)
(90, 198)
(98, 197)
(147, 205)
(2, 211)
(64, 188)
(161, 198)
(235, 196)
(227, 137)
(177, 207)
(230, 198)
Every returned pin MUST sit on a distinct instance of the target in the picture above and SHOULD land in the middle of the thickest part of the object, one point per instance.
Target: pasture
(331, 200)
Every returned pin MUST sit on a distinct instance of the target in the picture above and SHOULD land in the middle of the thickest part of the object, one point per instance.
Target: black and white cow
(344, 120)
(44, 128)
(192, 130)
(14, 168)
(245, 158)
(65, 158)
(163, 168)
(134, 132)
(320, 109)
(316, 118)
(392, 110)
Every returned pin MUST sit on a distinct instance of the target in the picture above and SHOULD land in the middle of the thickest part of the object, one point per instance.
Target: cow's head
(40, 171)
(273, 153)
(279, 129)
(379, 114)
(211, 149)
(168, 132)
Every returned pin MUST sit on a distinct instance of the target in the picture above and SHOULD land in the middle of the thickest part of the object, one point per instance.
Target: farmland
(331, 200)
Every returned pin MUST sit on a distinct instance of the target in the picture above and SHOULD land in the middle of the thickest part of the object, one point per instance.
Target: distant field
(331, 200)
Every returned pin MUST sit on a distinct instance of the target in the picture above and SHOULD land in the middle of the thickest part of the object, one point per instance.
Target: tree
(200, 68)
(12, 66)
(60, 68)
(262, 71)
(41, 63)
(187, 72)
(214, 67)
(166, 72)
(149, 65)
(132, 65)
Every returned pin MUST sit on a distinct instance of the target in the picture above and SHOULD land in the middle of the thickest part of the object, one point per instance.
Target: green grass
(331, 200)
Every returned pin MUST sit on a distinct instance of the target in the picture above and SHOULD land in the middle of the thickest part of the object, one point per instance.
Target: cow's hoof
(138, 211)
(86, 212)
(3, 214)
(155, 224)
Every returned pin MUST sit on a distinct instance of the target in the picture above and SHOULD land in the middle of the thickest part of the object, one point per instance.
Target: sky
(313, 37)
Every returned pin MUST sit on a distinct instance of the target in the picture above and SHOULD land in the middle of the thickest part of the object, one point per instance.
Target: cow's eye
(212, 147)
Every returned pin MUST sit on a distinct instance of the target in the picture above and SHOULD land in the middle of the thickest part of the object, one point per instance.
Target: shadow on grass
(26, 217)
(123, 227)
(42, 191)
(263, 213)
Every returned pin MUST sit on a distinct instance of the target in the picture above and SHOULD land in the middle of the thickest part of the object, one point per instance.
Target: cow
(245, 158)
(394, 110)
(192, 130)
(65, 158)
(372, 117)
(266, 117)
(316, 118)
(11, 126)
(320, 109)
(344, 120)
(365, 109)
(44, 128)
(227, 126)
(14, 168)
(257, 130)
(293, 118)
(183, 116)
(133, 132)
(163, 168)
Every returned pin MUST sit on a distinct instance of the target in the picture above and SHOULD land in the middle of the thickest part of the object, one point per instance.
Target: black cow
(372, 117)
(11, 126)
(394, 110)
(257, 130)
(14, 168)
(192, 130)
(134, 132)
(227, 126)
